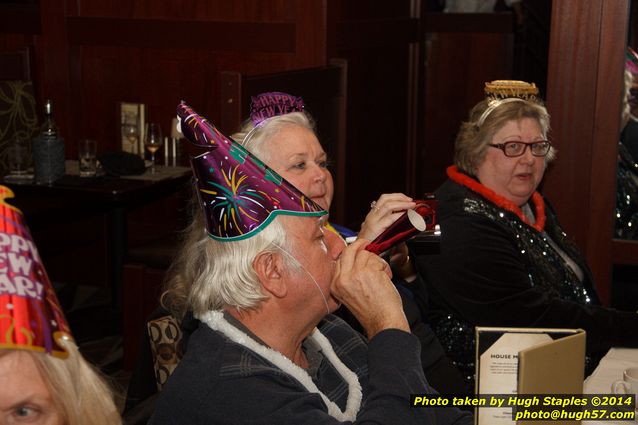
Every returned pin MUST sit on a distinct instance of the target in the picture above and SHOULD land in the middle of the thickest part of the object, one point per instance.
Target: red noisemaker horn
(421, 218)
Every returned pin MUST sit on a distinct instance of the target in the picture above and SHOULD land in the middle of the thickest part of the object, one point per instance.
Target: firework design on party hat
(30, 314)
(239, 194)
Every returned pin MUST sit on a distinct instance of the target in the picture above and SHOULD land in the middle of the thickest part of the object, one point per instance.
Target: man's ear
(269, 267)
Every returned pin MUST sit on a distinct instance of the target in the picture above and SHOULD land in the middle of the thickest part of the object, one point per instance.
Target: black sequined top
(495, 270)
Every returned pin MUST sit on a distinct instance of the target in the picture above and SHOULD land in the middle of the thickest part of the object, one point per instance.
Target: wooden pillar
(585, 74)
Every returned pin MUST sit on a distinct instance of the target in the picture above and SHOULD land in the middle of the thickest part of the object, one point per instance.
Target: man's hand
(362, 283)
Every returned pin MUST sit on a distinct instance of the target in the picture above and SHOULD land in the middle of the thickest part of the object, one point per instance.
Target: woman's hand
(399, 260)
(384, 211)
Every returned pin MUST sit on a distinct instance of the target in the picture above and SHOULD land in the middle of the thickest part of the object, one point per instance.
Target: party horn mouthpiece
(421, 218)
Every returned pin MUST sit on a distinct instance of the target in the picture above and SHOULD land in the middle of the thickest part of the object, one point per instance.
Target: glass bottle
(48, 150)
(48, 130)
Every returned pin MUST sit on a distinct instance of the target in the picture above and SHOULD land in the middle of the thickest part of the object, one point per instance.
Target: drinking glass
(18, 158)
(87, 161)
(131, 132)
(153, 141)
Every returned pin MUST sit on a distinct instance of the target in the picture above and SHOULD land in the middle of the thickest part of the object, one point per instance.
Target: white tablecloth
(610, 369)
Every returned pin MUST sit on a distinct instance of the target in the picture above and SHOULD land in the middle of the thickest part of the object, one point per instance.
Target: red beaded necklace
(465, 180)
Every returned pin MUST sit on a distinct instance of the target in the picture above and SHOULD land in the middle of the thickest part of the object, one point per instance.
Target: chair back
(165, 336)
(324, 91)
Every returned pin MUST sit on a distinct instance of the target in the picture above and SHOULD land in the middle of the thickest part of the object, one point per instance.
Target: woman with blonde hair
(44, 389)
(44, 379)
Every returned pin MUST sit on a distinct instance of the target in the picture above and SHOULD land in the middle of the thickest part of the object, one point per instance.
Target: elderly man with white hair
(266, 279)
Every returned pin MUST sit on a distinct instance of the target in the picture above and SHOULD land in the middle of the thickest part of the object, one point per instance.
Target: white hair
(226, 277)
(208, 274)
(254, 139)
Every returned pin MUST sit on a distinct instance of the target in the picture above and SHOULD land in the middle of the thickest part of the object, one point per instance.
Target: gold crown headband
(499, 92)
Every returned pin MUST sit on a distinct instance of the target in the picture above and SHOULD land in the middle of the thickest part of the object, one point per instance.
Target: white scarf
(215, 320)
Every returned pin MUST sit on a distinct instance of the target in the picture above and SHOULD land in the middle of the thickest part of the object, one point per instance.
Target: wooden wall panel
(584, 92)
(458, 64)
(171, 34)
(91, 54)
(608, 109)
(20, 18)
(53, 60)
(377, 128)
(204, 10)
(377, 47)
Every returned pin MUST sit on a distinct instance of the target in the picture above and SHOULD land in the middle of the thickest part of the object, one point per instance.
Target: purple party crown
(273, 104)
(239, 194)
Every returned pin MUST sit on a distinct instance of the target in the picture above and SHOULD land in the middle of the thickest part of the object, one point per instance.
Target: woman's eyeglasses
(514, 149)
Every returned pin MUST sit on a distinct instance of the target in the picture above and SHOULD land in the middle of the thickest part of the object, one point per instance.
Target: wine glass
(153, 141)
(131, 131)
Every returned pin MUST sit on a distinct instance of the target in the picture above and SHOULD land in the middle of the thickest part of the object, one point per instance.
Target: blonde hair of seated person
(80, 395)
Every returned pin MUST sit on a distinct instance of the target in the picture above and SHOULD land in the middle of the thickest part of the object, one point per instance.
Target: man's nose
(335, 243)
